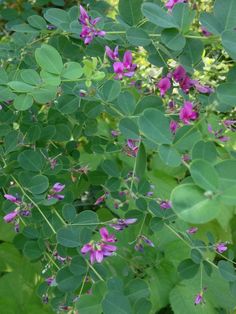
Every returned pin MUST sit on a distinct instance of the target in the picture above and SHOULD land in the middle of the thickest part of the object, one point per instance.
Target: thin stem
(59, 216)
(94, 270)
(52, 261)
(134, 170)
(83, 283)
(178, 236)
(92, 223)
(36, 205)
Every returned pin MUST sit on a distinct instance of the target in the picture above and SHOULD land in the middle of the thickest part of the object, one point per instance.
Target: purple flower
(179, 74)
(12, 198)
(147, 241)
(218, 134)
(187, 113)
(50, 281)
(221, 247)
(100, 199)
(121, 224)
(51, 27)
(58, 187)
(131, 147)
(106, 237)
(205, 32)
(139, 247)
(165, 204)
(11, 216)
(115, 133)
(201, 88)
(174, 125)
(171, 105)
(98, 250)
(198, 299)
(25, 212)
(186, 84)
(125, 68)
(186, 157)
(192, 230)
(230, 124)
(164, 85)
(171, 3)
(113, 55)
(89, 31)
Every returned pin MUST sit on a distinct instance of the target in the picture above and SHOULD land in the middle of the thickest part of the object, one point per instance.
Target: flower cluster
(99, 250)
(139, 244)
(121, 68)
(131, 148)
(181, 77)
(89, 30)
(219, 135)
(57, 188)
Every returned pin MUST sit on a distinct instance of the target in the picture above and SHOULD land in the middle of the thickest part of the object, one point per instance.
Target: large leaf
(49, 59)
(155, 126)
(116, 303)
(155, 14)
(183, 16)
(130, 11)
(225, 12)
(229, 43)
(191, 205)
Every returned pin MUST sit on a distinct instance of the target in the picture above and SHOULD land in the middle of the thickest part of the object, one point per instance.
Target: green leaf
(32, 250)
(116, 303)
(68, 104)
(137, 37)
(204, 150)
(191, 205)
(30, 76)
(126, 103)
(20, 87)
(37, 22)
(129, 128)
(227, 270)
(172, 39)
(49, 59)
(38, 184)
(24, 28)
(155, 14)
(192, 53)
(170, 156)
(87, 217)
(136, 289)
(69, 236)
(211, 23)
(3, 76)
(183, 16)
(67, 281)
(23, 102)
(111, 168)
(78, 266)
(225, 12)
(188, 269)
(229, 43)
(44, 94)
(50, 79)
(31, 160)
(111, 90)
(130, 11)
(196, 256)
(142, 306)
(141, 161)
(226, 93)
(88, 304)
(72, 71)
(204, 175)
(57, 17)
(155, 126)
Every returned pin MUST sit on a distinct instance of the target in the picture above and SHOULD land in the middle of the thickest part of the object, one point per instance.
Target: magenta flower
(124, 68)
(11, 216)
(199, 299)
(230, 124)
(106, 237)
(187, 113)
(99, 250)
(201, 88)
(192, 230)
(164, 85)
(100, 199)
(89, 31)
(174, 125)
(186, 84)
(50, 281)
(58, 187)
(113, 55)
(12, 198)
(205, 32)
(147, 241)
(115, 133)
(121, 224)
(179, 74)
(171, 3)
(131, 147)
(221, 247)
(165, 204)
(218, 134)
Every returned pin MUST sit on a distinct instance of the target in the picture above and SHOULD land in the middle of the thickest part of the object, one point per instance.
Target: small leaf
(227, 270)
(111, 90)
(137, 37)
(23, 102)
(188, 269)
(49, 59)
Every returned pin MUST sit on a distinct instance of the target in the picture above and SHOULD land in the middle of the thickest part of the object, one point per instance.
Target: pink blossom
(192, 230)
(100, 199)
(113, 55)
(204, 89)
(11, 216)
(121, 224)
(205, 32)
(186, 84)
(174, 125)
(165, 204)
(179, 74)
(187, 113)
(106, 237)
(221, 247)
(164, 85)
(198, 299)
(124, 68)
(12, 198)
(58, 187)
